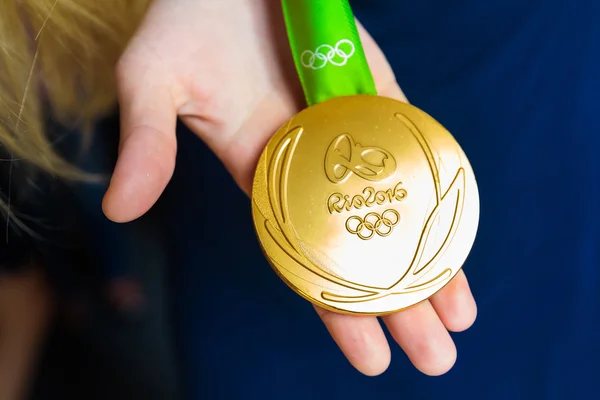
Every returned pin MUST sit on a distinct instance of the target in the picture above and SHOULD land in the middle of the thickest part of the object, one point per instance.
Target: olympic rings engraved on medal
(373, 223)
(337, 55)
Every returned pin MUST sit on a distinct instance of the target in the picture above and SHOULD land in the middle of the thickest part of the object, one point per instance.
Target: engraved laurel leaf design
(278, 180)
(418, 273)
(417, 277)
(451, 202)
(281, 230)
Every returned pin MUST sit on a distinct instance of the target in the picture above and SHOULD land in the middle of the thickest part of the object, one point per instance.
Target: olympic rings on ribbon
(373, 223)
(325, 54)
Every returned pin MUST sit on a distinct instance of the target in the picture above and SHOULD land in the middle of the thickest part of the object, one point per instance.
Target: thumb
(147, 145)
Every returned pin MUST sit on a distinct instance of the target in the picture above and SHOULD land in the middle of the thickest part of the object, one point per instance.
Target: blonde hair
(58, 56)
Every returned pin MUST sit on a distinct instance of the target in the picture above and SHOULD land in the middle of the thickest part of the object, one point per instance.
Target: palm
(224, 68)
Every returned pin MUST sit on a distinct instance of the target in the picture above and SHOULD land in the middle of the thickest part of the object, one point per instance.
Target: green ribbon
(327, 50)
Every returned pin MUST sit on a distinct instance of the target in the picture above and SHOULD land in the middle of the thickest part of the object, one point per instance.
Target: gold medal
(365, 205)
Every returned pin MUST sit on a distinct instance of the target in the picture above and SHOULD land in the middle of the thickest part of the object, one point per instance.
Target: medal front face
(365, 205)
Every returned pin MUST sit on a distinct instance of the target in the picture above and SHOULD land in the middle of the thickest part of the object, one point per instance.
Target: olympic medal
(365, 205)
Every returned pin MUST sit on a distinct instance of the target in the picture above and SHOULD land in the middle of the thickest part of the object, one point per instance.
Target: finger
(423, 337)
(361, 339)
(147, 146)
(455, 304)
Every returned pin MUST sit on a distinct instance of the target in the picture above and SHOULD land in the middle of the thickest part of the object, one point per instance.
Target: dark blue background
(517, 83)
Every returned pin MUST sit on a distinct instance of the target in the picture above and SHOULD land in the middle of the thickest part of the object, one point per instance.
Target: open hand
(224, 68)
